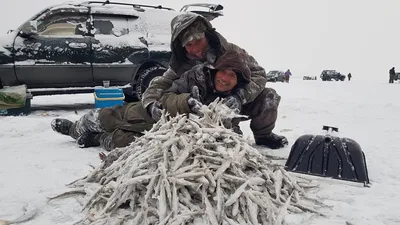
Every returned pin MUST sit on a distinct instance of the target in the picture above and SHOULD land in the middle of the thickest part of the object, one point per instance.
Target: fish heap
(191, 170)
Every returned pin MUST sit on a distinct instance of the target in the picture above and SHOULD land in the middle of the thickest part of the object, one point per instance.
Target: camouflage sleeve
(175, 98)
(258, 78)
(157, 86)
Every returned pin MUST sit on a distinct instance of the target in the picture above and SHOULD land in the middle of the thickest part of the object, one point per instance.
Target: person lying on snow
(118, 126)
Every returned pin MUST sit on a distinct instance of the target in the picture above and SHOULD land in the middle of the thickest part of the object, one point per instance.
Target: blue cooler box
(108, 97)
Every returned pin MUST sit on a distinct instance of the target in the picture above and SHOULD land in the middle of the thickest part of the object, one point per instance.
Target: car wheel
(145, 77)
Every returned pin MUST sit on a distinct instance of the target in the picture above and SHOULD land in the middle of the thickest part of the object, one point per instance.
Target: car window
(157, 22)
(62, 24)
(115, 25)
(59, 29)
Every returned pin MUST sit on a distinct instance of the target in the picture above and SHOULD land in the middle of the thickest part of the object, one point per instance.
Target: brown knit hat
(235, 61)
(194, 32)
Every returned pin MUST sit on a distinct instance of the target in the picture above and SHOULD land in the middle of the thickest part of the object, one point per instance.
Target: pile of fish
(191, 170)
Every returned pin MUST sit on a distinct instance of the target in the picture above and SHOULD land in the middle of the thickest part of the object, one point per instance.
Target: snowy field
(36, 162)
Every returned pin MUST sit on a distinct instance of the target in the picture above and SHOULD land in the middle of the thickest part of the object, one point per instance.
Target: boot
(61, 126)
(87, 140)
(272, 141)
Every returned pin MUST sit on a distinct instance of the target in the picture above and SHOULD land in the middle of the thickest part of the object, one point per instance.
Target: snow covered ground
(37, 163)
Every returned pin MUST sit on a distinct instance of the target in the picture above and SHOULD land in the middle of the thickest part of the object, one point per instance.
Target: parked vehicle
(309, 78)
(276, 75)
(328, 75)
(71, 48)
(397, 76)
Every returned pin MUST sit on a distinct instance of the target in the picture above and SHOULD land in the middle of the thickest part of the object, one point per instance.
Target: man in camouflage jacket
(204, 83)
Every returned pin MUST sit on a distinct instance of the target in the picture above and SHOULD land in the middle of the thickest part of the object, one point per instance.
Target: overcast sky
(307, 36)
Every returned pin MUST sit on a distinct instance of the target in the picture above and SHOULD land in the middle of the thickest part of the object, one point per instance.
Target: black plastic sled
(328, 156)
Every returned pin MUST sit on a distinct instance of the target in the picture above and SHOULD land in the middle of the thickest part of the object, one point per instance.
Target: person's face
(197, 48)
(225, 80)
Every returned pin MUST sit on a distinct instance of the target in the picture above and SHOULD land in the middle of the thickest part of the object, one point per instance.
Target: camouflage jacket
(175, 98)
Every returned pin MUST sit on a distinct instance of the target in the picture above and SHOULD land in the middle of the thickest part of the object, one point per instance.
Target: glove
(271, 101)
(155, 111)
(194, 101)
(233, 101)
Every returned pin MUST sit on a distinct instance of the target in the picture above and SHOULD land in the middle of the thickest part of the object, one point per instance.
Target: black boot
(272, 141)
(61, 126)
(87, 140)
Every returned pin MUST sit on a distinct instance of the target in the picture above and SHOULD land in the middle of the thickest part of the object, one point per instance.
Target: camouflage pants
(262, 112)
(88, 123)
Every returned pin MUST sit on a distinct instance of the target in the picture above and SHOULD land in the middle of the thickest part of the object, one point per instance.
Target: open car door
(209, 11)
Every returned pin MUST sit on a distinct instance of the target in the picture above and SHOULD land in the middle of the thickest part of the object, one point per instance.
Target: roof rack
(107, 2)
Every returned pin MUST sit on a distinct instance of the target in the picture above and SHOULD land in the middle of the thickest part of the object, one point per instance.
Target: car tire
(145, 77)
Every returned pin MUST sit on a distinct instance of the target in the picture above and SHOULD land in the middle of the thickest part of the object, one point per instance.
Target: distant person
(287, 75)
(349, 76)
(392, 74)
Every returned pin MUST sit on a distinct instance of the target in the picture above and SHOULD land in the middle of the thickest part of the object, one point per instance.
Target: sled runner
(328, 156)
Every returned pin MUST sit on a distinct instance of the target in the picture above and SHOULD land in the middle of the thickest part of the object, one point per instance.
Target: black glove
(89, 139)
(233, 101)
(194, 101)
(155, 111)
(271, 101)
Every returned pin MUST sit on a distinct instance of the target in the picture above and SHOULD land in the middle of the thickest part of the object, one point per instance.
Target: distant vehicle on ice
(328, 75)
(276, 75)
(309, 78)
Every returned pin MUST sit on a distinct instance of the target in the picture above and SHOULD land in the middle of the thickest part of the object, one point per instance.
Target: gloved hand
(155, 111)
(233, 101)
(271, 101)
(194, 101)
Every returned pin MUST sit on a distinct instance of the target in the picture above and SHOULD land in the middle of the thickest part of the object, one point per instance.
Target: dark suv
(328, 75)
(71, 48)
(276, 75)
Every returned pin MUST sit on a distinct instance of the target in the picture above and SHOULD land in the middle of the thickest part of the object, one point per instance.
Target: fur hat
(235, 61)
